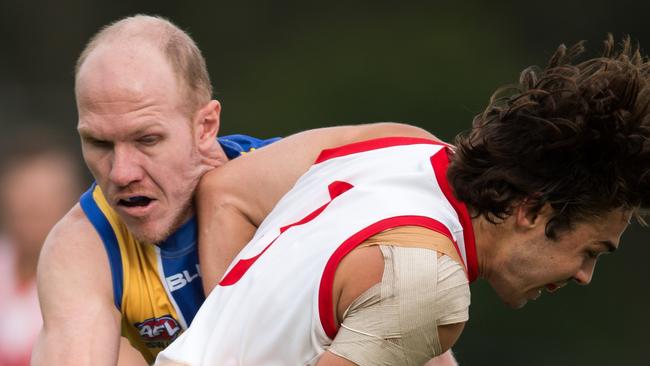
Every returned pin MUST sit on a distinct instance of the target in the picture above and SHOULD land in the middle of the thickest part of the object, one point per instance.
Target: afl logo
(164, 328)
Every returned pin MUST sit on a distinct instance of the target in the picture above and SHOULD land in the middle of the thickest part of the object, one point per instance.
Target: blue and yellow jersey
(157, 288)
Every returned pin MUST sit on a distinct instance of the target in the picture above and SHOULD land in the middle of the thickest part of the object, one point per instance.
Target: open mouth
(552, 287)
(135, 201)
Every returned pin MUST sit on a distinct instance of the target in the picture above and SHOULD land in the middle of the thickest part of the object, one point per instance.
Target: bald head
(129, 36)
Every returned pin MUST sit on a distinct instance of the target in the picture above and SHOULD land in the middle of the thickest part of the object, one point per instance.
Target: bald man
(124, 260)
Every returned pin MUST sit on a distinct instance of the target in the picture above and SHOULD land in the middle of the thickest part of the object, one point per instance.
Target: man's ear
(207, 125)
(528, 217)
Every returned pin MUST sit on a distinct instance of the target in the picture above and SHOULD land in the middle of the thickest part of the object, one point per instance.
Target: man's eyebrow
(609, 245)
(145, 128)
(85, 133)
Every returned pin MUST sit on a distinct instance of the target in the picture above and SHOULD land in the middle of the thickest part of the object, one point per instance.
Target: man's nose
(125, 168)
(585, 273)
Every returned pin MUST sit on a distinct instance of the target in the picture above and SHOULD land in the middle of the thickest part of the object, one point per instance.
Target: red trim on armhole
(325, 292)
(374, 144)
(440, 163)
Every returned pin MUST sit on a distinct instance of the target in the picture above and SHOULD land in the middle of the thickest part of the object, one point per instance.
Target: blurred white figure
(37, 186)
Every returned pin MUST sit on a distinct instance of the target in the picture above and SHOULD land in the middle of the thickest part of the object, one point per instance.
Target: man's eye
(592, 254)
(149, 140)
(98, 143)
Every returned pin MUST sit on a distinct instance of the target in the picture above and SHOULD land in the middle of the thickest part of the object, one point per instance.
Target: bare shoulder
(73, 260)
(73, 236)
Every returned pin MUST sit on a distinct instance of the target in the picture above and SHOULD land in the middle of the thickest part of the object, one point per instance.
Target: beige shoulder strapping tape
(396, 321)
(415, 237)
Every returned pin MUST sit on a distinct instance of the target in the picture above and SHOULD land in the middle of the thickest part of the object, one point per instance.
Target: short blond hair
(185, 58)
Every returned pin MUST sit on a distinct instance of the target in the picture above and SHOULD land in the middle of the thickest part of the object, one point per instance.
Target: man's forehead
(612, 225)
(128, 70)
(622, 216)
(119, 128)
(122, 89)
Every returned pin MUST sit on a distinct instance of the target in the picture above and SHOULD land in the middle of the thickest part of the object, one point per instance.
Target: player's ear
(207, 125)
(529, 215)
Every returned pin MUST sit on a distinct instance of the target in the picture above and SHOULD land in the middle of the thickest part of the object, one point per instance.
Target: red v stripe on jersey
(335, 189)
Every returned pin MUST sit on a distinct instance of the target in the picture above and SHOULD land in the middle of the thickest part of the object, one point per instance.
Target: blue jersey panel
(235, 145)
(180, 263)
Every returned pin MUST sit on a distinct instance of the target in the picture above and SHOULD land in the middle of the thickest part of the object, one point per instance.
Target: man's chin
(513, 301)
(157, 226)
(517, 304)
(518, 301)
(150, 235)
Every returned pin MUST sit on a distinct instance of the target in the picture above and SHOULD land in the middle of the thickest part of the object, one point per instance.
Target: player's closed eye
(98, 143)
(149, 140)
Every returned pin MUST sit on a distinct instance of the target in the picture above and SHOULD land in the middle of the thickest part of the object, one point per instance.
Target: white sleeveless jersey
(274, 305)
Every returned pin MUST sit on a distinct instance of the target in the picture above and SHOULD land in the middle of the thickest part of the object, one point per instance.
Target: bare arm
(234, 199)
(81, 325)
(129, 356)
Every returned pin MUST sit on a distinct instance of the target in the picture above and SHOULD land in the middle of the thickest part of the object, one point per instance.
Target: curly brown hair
(575, 136)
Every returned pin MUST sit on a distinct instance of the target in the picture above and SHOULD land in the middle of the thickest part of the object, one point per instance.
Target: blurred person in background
(39, 182)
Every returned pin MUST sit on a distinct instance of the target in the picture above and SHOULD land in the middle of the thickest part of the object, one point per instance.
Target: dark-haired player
(367, 259)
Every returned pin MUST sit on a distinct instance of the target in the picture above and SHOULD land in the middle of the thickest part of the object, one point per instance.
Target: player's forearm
(223, 232)
(55, 348)
(128, 355)
(88, 334)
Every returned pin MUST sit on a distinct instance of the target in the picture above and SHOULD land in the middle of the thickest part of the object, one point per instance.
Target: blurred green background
(283, 66)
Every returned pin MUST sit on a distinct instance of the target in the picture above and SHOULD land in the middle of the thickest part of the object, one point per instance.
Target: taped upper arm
(417, 311)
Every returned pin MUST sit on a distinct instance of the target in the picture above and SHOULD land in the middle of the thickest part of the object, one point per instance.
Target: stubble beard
(167, 225)
(185, 210)
(163, 227)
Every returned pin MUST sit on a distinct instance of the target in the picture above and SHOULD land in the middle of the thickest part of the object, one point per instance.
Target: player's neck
(487, 237)
(215, 157)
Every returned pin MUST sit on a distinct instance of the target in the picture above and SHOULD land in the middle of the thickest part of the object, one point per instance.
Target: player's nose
(125, 168)
(585, 274)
